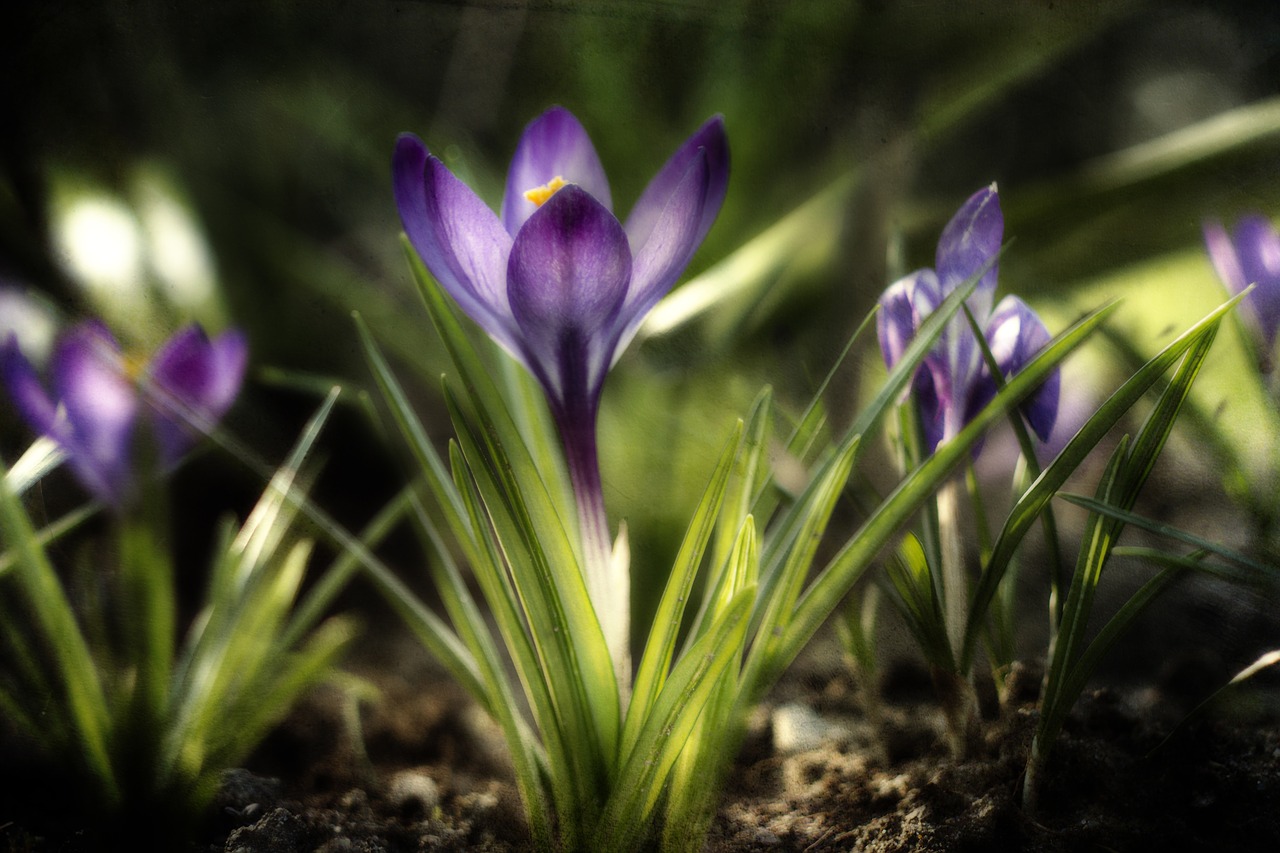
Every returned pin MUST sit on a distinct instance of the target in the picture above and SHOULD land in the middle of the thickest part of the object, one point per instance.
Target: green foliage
(153, 726)
(602, 765)
(1071, 660)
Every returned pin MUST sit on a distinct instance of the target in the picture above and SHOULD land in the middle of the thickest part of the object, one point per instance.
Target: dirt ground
(420, 768)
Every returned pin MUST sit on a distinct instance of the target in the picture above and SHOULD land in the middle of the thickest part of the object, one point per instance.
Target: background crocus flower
(1251, 255)
(558, 280)
(100, 395)
(954, 383)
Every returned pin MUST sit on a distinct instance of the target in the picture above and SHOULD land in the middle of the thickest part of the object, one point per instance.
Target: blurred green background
(229, 162)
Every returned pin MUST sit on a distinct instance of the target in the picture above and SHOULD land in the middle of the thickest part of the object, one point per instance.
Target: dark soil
(417, 767)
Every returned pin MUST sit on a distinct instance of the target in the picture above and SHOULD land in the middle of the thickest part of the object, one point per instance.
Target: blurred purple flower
(953, 383)
(100, 394)
(1251, 256)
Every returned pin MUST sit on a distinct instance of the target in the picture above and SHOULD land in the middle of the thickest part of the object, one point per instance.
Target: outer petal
(672, 241)
(1257, 248)
(1015, 334)
(903, 306)
(459, 239)
(29, 396)
(101, 405)
(1222, 252)
(195, 381)
(568, 275)
(709, 139)
(931, 379)
(553, 145)
(971, 240)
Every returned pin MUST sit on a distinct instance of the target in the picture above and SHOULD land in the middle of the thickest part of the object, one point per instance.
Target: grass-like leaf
(88, 714)
(1071, 664)
(660, 646)
(1261, 570)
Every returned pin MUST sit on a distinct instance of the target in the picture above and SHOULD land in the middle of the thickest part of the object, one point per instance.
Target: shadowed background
(230, 163)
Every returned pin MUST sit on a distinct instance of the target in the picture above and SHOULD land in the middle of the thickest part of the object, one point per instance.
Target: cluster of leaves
(149, 724)
(602, 765)
(912, 574)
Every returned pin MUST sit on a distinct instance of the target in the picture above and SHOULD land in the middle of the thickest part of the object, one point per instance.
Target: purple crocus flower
(1251, 256)
(100, 394)
(557, 280)
(954, 383)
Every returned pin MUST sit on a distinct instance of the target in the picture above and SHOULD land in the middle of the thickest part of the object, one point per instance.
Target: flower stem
(608, 580)
(955, 689)
(955, 583)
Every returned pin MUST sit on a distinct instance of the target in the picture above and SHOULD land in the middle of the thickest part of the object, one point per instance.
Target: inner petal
(553, 144)
(567, 277)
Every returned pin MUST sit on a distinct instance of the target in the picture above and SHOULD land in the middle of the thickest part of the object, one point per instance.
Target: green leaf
(1126, 473)
(40, 458)
(660, 646)
(1094, 547)
(794, 570)
(490, 686)
(528, 759)
(750, 476)
(86, 706)
(572, 659)
(50, 533)
(915, 597)
(1262, 570)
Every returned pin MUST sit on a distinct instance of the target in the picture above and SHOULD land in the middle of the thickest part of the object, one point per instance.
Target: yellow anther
(133, 364)
(539, 195)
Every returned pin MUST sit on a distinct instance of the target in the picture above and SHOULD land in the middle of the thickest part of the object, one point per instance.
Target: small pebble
(797, 728)
(414, 791)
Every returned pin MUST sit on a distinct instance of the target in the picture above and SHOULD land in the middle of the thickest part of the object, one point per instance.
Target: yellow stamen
(134, 364)
(539, 195)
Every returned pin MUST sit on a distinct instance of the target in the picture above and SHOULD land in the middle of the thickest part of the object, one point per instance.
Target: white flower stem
(959, 699)
(608, 579)
(955, 581)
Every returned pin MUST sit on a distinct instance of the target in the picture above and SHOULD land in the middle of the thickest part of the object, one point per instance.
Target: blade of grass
(86, 701)
(660, 647)
(1131, 518)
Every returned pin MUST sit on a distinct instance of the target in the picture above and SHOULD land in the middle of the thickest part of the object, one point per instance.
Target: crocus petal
(1222, 252)
(970, 241)
(672, 242)
(101, 405)
(1015, 334)
(459, 239)
(931, 406)
(711, 141)
(29, 396)
(1257, 248)
(903, 306)
(195, 381)
(554, 145)
(568, 274)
